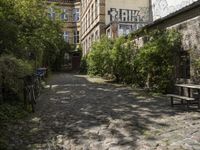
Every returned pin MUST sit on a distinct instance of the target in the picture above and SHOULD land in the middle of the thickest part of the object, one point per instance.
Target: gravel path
(82, 113)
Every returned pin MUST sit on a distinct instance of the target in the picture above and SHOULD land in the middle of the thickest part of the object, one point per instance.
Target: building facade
(69, 12)
(111, 17)
(85, 21)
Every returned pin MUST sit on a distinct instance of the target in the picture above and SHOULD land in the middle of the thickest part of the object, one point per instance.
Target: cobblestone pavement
(82, 113)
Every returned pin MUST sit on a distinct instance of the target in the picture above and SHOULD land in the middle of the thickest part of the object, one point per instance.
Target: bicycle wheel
(37, 88)
(32, 102)
(31, 99)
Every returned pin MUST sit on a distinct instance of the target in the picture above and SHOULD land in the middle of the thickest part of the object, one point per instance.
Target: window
(86, 45)
(92, 13)
(96, 8)
(64, 15)
(76, 14)
(92, 39)
(184, 65)
(51, 13)
(96, 35)
(86, 22)
(89, 17)
(89, 42)
(76, 37)
(66, 36)
(124, 29)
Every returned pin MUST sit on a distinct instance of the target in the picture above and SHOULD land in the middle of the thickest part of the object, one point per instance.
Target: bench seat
(181, 97)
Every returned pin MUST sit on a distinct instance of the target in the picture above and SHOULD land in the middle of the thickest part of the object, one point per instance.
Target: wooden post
(198, 98)
(188, 105)
(172, 102)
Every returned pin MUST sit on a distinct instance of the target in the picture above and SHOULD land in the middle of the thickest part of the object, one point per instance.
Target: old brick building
(85, 21)
(69, 12)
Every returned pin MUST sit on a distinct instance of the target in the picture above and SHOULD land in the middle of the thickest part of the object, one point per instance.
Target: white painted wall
(162, 8)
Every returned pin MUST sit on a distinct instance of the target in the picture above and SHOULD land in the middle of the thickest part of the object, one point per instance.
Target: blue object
(41, 71)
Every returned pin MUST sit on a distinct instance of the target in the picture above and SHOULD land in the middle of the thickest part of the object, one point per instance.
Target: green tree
(28, 37)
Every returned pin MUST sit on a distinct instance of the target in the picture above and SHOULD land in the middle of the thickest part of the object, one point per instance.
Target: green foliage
(11, 66)
(11, 69)
(29, 39)
(123, 52)
(151, 66)
(8, 116)
(60, 58)
(9, 113)
(25, 28)
(83, 65)
(196, 68)
(155, 61)
(99, 59)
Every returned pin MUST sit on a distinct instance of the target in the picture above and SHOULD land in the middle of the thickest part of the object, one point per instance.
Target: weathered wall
(190, 31)
(187, 22)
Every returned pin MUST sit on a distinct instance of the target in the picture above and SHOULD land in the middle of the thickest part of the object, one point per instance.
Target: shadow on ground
(79, 114)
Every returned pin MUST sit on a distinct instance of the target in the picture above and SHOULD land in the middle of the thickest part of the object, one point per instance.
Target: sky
(162, 8)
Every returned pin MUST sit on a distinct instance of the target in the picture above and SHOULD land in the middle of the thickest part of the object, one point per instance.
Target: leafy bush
(8, 116)
(155, 61)
(151, 66)
(11, 69)
(99, 60)
(123, 52)
(83, 65)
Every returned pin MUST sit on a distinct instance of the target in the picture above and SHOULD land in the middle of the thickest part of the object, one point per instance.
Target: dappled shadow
(76, 113)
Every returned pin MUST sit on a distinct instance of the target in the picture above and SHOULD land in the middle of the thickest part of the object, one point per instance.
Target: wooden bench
(182, 98)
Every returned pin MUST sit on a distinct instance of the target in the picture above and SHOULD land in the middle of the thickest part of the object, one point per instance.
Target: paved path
(81, 113)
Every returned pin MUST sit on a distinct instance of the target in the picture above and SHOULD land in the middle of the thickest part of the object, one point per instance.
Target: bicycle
(29, 93)
(30, 97)
(37, 85)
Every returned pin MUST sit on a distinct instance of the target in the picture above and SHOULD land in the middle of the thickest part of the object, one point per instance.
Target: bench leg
(188, 105)
(172, 102)
(199, 103)
(181, 102)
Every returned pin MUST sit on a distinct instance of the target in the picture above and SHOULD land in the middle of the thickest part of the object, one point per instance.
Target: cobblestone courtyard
(82, 113)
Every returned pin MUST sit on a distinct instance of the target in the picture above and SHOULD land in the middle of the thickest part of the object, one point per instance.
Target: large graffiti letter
(113, 14)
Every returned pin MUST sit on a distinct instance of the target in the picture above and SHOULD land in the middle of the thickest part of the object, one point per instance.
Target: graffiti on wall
(127, 15)
(124, 21)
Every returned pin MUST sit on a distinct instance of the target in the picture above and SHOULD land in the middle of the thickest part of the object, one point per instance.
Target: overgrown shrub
(155, 61)
(83, 65)
(122, 54)
(151, 66)
(8, 116)
(11, 69)
(99, 59)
